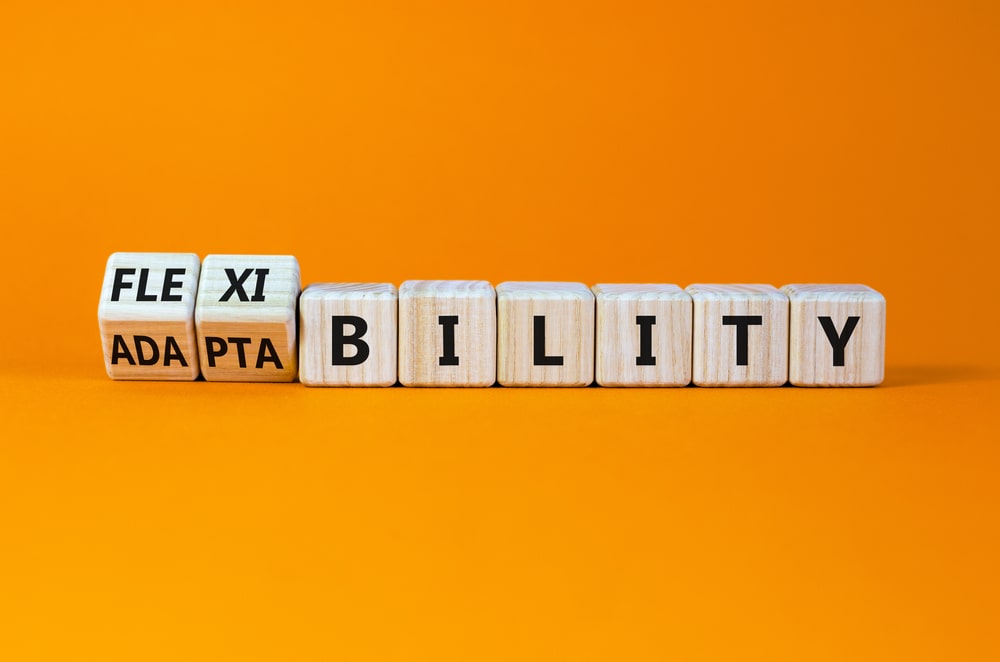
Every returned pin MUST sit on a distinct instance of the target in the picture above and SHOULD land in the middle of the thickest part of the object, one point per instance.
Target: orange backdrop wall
(670, 142)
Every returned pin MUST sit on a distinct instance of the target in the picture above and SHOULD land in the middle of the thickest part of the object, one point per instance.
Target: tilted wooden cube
(643, 335)
(246, 318)
(447, 333)
(347, 334)
(146, 316)
(545, 334)
(837, 335)
(740, 335)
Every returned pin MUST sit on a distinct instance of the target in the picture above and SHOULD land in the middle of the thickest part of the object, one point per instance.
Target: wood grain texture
(811, 352)
(154, 326)
(375, 303)
(618, 335)
(568, 312)
(267, 324)
(421, 334)
(714, 350)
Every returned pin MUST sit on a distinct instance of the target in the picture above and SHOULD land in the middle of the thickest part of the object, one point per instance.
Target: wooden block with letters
(740, 335)
(146, 316)
(643, 335)
(246, 318)
(836, 335)
(447, 333)
(347, 334)
(545, 334)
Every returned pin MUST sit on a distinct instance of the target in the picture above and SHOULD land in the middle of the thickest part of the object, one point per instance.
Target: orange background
(614, 142)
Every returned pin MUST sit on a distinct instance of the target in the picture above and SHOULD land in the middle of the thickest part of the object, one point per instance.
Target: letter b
(340, 340)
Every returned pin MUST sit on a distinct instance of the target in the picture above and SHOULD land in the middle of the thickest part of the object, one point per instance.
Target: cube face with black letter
(740, 335)
(447, 333)
(545, 334)
(837, 335)
(347, 334)
(146, 316)
(643, 335)
(246, 318)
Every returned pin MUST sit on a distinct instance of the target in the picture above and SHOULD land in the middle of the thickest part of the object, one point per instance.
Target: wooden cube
(740, 335)
(447, 333)
(146, 316)
(246, 318)
(836, 336)
(347, 334)
(643, 335)
(546, 334)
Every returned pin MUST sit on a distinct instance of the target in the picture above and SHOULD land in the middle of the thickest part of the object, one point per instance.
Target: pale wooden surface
(618, 334)
(421, 337)
(714, 346)
(376, 304)
(568, 309)
(157, 320)
(810, 350)
(274, 318)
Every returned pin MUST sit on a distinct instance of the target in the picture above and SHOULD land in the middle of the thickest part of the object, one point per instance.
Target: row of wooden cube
(168, 316)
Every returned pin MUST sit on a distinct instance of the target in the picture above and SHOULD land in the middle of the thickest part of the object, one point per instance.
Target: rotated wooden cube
(246, 318)
(740, 335)
(347, 334)
(447, 333)
(643, 335)
(545, 334)
(146, 316)
(837, 335)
